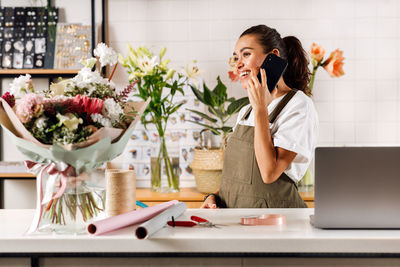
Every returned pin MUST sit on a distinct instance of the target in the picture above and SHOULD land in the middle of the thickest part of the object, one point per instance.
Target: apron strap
(277, 109)
(281, 105)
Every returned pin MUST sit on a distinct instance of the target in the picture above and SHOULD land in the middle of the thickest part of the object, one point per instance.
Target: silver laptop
(357, 187)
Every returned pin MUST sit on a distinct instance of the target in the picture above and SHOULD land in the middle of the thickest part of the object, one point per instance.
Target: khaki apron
(242, 185)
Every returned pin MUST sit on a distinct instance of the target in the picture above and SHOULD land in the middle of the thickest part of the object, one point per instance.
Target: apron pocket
(238, 161)
(243, 202)
(279, 204)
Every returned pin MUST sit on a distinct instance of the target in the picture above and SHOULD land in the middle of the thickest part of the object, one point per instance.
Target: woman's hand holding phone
(258, 94)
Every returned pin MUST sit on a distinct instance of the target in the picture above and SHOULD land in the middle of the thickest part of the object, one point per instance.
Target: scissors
(195, 220)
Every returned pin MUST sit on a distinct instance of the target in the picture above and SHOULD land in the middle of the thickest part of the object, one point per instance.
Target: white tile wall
(362, 107)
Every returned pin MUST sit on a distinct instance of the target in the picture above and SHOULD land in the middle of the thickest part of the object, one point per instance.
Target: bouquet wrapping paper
(147, 229)
(126, 219)
(52, 163)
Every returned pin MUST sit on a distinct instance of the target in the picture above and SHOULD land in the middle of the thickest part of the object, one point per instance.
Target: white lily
(191, 70)
(147, 65)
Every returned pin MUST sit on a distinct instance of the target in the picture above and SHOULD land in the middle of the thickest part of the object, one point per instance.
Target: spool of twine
(120, 191)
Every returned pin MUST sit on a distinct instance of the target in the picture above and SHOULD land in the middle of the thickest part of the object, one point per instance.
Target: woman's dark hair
(297, 74)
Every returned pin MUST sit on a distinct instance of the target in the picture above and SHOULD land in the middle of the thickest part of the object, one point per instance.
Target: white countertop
(297, 236)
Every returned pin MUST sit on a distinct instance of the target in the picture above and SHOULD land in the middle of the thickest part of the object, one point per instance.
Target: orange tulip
(317, 53)
(334, 64)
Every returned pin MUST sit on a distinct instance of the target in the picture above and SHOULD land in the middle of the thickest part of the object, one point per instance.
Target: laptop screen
(357, 187)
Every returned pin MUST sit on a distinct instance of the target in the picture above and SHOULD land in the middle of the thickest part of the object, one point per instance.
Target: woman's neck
(280, 89)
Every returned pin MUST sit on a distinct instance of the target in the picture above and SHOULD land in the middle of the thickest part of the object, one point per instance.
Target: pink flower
(9, 98)
(30, 106)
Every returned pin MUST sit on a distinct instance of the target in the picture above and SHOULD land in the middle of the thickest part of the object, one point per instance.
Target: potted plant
(208, 161)
(156, 81)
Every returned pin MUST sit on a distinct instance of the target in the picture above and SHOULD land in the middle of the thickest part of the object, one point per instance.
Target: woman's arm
(271, 161)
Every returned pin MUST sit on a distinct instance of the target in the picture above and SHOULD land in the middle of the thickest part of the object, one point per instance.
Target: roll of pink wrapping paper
(126, 219)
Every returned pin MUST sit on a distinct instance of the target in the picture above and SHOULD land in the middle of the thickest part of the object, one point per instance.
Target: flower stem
(313, 78)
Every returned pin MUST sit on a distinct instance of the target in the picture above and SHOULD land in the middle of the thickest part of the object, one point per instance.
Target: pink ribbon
(52, 170)
(39, 169)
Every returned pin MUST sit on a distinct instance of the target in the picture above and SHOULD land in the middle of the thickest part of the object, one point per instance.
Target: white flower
(106, 54)
(87, 78)
(147, 64)
(191, 70)
(100, 119)
(70, 121)
(88, 63)
(112, 110)
(21, 86)
(41, 123)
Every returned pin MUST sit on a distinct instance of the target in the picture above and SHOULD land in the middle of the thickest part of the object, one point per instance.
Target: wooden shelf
(17, 175)
(43, 73)
(37, 71)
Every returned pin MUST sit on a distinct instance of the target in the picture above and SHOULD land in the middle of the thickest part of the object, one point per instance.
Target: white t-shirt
(295, 129)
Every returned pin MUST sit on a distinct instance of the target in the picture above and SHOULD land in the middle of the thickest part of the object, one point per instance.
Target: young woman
(274, 137)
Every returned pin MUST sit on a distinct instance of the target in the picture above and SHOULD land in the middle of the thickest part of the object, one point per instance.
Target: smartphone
(274, 68)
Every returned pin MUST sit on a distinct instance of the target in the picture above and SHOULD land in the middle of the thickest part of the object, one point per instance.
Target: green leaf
(174, 88)
(181, 90)
(209, 97)
(220, 91)
(231, 99)
(198, 94)
(214, 130)
(175, 108)
(235, 106)
(226, 129)
(214, 110)
(205, 116)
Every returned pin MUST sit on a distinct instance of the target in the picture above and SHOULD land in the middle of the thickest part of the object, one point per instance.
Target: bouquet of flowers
(67, 132)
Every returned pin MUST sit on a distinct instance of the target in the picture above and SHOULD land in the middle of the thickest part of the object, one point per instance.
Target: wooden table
(193, 198)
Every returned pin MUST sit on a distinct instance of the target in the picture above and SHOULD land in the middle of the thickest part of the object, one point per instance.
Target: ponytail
(297, 74)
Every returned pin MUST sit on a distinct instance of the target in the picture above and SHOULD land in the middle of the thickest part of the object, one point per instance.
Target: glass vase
(82, 201)
(164, 169)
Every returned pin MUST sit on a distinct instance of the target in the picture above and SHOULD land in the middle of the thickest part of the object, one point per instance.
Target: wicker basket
(207, 167)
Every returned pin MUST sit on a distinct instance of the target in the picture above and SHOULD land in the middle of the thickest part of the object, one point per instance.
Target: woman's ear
(276, 52)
